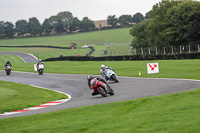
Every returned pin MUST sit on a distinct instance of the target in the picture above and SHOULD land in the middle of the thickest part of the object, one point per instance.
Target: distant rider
(8, 64)
(39, 62)
(89, 78)
(103, 71)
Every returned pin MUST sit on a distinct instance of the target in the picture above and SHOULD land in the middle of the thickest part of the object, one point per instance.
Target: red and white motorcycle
(40, 69)
(101, 87)
(8, 69)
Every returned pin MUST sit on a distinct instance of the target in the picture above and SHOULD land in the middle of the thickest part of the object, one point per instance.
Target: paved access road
(28, 58)
(76, 86)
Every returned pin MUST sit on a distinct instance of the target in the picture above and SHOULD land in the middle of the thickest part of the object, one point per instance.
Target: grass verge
(167, 113)
(15, 96)
(188, 69)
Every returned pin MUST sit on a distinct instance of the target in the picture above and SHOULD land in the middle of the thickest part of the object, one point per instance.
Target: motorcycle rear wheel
(114, 78)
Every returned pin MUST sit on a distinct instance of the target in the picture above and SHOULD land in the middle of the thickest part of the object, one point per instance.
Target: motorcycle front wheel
(102, 91)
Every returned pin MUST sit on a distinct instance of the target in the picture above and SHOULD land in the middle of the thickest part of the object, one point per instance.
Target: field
(122, 38)
(19, 96)
(166, 113)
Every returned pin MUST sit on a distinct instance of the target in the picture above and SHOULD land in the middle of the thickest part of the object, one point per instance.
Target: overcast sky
(13, 10)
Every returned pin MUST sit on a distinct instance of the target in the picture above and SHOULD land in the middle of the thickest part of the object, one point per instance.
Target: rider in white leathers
(103, 70)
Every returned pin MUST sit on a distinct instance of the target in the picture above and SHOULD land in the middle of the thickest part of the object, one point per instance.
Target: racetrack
(76, 86)
(27, 58)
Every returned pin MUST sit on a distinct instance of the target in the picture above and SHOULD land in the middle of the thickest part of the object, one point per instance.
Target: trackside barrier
(127, 57)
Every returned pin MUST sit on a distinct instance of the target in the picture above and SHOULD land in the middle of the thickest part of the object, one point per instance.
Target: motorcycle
(101, 88)
(111, 75)
(8, 70)
(40, 69)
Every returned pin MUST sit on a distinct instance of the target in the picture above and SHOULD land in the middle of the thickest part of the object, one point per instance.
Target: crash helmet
(102, 66)
(39, 60)
(89, 77)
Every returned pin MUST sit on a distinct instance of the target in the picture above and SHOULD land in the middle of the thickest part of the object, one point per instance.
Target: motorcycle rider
(39, 62)
(89, 78)
(103, 70)
(8, 64)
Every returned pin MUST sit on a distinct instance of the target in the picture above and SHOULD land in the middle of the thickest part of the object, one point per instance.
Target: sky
(14, 10)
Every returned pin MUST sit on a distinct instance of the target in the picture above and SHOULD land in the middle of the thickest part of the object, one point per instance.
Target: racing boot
(106, 78)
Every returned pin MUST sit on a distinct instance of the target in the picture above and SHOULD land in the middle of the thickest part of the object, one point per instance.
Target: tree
(1, 29)
(34, 27)
(112, 20)
(65, 20)
(147, 16)
(21, 27)
(8, 29)
(47, 27)
(138, 17)
(141, 34)
(125, 20)
(159, 18)
(87, 24)
(182, 24)
(75, 24)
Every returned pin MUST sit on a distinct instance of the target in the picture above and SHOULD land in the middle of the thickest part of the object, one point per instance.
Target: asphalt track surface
(27, 58)
(76, 86)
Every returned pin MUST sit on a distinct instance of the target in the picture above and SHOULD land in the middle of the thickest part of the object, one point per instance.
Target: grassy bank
(114, 35)
(168, 113)
(15, 96)
(188, 69)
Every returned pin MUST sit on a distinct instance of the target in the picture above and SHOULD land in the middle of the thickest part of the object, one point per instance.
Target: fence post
(141, 50)
(135, 51)
(172, 50)
(180, 49)
(156, 51)
(189, 48)
(164, 50)
(149, 51)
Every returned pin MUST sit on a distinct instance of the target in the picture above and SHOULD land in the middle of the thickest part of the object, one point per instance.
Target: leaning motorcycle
(40, 69)
(111, 75)
(101, 88)
(8, 70)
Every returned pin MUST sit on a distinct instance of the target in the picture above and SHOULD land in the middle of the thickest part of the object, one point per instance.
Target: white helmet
(102, 66)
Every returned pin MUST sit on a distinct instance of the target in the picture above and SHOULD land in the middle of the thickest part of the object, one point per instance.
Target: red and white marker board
(152, 68)
(35, 67)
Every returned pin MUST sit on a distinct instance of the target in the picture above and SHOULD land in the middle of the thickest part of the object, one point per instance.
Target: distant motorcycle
(8, 69)
(101, 87)
(111, 75)
(40, 69)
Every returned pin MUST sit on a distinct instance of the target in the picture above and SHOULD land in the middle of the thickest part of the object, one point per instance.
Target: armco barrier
(127, 57)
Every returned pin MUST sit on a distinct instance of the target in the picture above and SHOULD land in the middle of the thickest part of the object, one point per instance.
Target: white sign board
(35, 67)
(152, 68)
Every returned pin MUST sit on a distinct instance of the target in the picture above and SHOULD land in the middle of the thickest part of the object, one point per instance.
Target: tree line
(171, 23)
(63, 22)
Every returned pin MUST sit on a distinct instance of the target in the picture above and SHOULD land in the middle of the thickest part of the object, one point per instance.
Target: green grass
(167, 113)
(15, 60)
(116, 35)
(170, 113)
(188, 69)
(15, 96)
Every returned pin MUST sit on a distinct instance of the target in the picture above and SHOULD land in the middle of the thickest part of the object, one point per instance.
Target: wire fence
(170, 50)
